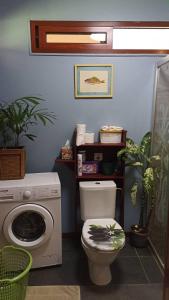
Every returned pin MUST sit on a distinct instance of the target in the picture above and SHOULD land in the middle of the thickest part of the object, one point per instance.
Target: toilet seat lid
(115, 242)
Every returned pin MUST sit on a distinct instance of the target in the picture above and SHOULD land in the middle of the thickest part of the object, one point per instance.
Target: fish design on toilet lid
(103, 234)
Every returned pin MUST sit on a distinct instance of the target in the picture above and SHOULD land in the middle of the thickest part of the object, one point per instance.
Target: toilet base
(100, 255)
(99, 263)
(99, 274)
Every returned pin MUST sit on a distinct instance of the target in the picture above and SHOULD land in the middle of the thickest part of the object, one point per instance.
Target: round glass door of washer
(28, 225)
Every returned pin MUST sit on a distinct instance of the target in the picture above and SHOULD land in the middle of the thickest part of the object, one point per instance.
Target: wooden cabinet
(109, 168)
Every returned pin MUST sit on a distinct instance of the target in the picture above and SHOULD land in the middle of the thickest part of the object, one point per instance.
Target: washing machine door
(28, 226)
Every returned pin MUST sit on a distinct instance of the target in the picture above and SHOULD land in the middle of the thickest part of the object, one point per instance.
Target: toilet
(97, 207)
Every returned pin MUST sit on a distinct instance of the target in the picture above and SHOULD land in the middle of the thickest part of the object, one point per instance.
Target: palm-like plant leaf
(30, 136)
(23, 113)
(30, 100)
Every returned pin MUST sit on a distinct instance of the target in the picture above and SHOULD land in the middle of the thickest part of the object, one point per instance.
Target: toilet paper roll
(81, 128)
(80, 139)
(89, 137)
(79, 164)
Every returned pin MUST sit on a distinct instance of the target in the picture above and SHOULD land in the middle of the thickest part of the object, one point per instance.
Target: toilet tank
(97, 199)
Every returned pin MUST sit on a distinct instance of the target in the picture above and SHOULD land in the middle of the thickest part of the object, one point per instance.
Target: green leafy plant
(138, 157)
(17, 117)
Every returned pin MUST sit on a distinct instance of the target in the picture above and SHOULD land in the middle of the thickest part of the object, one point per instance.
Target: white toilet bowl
(101, 253)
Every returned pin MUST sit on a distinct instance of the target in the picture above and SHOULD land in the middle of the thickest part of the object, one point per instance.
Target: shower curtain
(160, 145)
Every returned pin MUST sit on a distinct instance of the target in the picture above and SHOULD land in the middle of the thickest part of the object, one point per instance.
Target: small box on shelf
(110, 137)
(66, 153)
(90, 167)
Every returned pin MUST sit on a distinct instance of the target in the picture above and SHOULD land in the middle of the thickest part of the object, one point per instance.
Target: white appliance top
(34, 186)
(32, 180)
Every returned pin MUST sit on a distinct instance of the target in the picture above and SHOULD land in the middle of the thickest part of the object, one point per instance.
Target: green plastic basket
(15, 264)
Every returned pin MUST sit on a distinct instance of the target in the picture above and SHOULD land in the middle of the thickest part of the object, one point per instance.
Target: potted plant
(16, 120)
(146, 169)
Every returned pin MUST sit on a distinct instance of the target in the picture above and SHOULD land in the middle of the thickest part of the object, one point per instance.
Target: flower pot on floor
(12, 163)
(138, 236)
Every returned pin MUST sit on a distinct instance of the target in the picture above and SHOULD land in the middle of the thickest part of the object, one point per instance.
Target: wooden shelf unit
(109, 151)
(99, 176)
(65, 161)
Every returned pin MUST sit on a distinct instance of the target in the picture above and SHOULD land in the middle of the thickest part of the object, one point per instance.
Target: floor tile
(122, 292)
(73, 271)
(144, 292)
(128, 250)
(127, 270)
(104, 293)
(135, 274)
(144, 251)
(152, 270)
(72, 245)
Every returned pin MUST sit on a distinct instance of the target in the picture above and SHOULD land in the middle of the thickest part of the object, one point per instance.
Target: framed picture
(94, 81)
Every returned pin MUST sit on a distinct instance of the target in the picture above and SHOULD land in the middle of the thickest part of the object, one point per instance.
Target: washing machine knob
(27, 194)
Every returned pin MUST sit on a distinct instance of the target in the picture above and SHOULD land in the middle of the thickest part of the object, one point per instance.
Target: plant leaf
(31, 100)
(133, 193)
(145, 144)
(30, 136)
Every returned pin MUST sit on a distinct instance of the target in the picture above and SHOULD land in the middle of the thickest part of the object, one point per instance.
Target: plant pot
(12, 163)
(138, 236)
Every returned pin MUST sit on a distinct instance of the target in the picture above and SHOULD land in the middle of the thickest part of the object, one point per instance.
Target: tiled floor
(135, 274)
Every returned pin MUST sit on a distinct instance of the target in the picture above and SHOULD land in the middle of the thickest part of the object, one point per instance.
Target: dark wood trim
(139, 24)
(112, 24)
(129, 51)
(68, 27)
(65, 161)
(101, 145)
(40, 28)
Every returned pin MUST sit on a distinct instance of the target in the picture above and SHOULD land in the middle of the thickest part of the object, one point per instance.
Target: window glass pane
(144, 38)
(84, 38)
(28, 226)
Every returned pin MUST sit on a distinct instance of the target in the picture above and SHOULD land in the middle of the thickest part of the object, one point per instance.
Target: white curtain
(160, 145)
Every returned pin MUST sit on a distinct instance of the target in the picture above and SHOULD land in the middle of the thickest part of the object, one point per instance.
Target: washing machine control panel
(47, 192)
(27, 194)
(38, 193)
(35, 186)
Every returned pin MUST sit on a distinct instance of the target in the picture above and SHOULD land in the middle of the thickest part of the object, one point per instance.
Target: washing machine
(30, 216)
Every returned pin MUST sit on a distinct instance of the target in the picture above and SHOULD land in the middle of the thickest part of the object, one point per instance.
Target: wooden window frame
(39, 29)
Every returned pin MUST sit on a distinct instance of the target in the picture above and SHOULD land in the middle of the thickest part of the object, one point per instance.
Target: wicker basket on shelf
(12, 163)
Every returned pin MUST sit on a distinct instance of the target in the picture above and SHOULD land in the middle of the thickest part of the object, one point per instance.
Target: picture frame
(94, 81)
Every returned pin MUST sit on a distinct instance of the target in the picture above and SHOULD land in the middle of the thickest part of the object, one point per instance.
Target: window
(83, 38)
(99, 37)
(70, 37)
(139, 38)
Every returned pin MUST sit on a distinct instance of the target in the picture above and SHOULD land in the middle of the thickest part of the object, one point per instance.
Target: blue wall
(52, 77)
